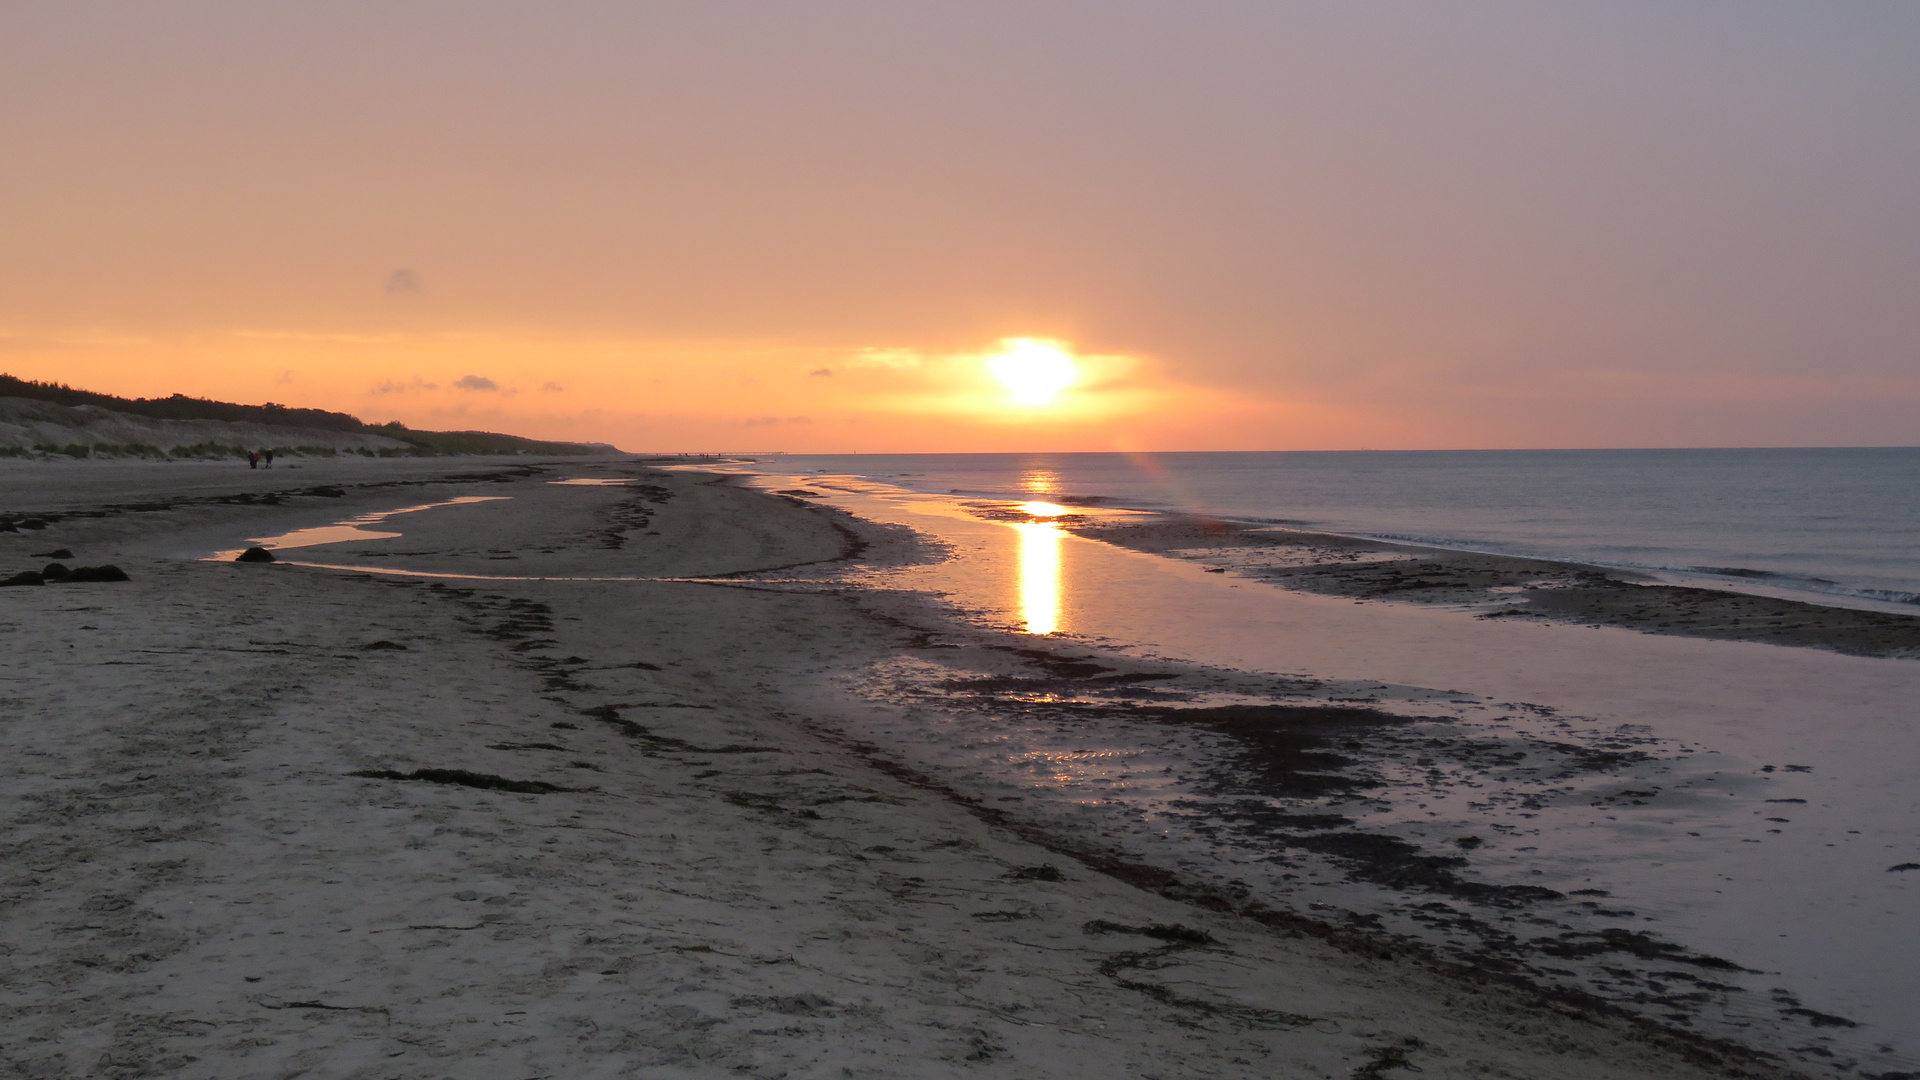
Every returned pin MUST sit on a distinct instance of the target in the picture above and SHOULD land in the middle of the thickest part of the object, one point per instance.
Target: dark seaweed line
(1731, 1057)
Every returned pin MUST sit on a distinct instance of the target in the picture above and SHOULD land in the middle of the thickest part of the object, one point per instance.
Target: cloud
(417, 383)
(898, 359)
(403, 283)
(552, 387)
(476, 382)
(763, 421)
(821, 373)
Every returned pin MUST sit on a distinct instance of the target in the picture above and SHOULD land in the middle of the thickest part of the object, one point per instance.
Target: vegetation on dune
(480, 442)
(182, 407)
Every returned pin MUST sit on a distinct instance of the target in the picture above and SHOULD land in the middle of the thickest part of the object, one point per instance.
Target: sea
(1722, 836)
(1842, 523)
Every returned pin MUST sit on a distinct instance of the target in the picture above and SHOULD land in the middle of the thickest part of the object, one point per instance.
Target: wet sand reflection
(341, 532)
(1039, 576)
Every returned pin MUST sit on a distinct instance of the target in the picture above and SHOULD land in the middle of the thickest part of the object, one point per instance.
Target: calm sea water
(1835, 521)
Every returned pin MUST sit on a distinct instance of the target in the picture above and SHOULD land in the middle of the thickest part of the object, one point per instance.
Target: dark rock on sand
(57, 553)
(255, 554)
(25, 577)
(97, 573)
(55, 572)
(383, 646)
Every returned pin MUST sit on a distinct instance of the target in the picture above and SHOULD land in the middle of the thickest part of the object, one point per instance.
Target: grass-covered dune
(44, 420)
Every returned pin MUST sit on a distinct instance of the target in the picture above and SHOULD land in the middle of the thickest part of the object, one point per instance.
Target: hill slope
(40, 419)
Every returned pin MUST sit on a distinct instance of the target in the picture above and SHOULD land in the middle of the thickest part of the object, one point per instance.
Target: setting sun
(1034, 371)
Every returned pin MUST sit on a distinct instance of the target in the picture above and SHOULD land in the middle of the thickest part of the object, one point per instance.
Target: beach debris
(1820, 1019)
(56, 553)
(378, 1009)
(1186, 935)
(1574, 945)
(1043, 872)
(254, 554)
(787, 1004)
(766, 804)
(1119, 968)
(467, 778)
(1383, 1058)
(651, 743)
(24, 577)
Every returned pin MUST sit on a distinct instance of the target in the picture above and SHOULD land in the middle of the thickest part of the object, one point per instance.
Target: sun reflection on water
(1039, 576)
(1040, 481)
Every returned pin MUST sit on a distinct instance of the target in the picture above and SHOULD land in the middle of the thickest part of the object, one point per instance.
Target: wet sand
(1505, 587)
(268, 820)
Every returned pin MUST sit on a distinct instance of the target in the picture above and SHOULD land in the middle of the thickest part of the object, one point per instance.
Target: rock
(32, 523)
(98, 573)
(25, 577)
(56, 553)
(54, 571)
(255, 554)
(384, 646)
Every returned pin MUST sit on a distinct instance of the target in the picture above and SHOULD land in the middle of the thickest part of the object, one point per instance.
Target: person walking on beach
(268, 454)
(253, 460)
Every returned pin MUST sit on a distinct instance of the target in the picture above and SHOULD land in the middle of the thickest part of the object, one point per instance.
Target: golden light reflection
(1040, 482)
(1043, 509)
(1039, 576)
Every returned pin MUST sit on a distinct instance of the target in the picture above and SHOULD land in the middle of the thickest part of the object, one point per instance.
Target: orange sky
(689, 226)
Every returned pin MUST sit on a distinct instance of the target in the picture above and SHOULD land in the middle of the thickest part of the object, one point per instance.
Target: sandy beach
(586, 779)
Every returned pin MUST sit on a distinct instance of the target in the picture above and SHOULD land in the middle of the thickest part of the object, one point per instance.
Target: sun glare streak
(1040, 482)
(1039, 577)
(1043, 509)
(1033, 371)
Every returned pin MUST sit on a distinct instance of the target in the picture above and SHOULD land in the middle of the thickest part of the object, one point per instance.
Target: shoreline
(681, 709)
(1507, 586)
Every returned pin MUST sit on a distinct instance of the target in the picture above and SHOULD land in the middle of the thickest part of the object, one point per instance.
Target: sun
(1033, 371)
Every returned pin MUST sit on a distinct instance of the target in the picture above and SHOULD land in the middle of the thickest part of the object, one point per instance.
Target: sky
(814, 226)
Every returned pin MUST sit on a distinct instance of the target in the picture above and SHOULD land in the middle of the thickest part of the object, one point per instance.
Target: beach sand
(278, 820)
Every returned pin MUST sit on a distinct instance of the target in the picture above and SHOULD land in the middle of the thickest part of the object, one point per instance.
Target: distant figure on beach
(268, 455)
(253, 460)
